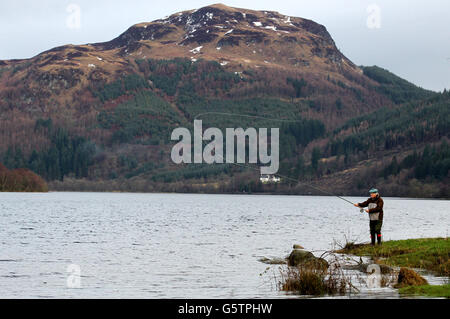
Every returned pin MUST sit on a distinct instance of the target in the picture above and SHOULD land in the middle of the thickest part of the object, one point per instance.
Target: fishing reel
(361, 210)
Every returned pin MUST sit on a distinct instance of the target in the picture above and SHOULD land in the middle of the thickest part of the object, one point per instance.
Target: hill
(99, 116)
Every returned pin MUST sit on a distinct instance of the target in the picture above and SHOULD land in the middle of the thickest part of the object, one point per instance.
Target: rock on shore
(301, 257)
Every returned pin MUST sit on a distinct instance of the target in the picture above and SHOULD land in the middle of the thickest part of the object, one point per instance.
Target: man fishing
(375, 209)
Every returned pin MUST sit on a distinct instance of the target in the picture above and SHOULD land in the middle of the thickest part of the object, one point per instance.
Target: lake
(133, 245)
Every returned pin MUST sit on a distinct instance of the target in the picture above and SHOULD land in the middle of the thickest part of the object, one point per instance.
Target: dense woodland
(124, 142)
(66, 155)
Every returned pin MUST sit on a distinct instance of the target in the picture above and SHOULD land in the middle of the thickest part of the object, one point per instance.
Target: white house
(269, 179)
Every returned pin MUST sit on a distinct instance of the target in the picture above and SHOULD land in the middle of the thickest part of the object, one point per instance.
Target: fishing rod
(295, 180)
(279, 175)
(254, 168)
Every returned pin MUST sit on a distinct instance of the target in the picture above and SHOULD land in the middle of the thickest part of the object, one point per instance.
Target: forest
(67, 154)
(326, 130)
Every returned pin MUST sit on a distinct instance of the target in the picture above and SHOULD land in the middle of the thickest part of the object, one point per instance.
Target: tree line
(432, 163)
(67, 154)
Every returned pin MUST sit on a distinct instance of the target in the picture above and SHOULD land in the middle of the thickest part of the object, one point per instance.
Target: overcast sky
(410, 38)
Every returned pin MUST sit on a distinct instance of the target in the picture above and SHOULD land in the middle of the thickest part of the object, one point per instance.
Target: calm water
(179, 245)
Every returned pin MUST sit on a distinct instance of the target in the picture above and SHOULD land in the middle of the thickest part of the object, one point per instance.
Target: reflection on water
(180, 245)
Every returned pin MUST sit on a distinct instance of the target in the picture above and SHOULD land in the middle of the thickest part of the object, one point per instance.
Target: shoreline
(411, 267)
(423, 254)
(215, 193)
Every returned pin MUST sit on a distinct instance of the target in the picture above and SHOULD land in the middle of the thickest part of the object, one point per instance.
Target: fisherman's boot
(379, 239)
(372, 231)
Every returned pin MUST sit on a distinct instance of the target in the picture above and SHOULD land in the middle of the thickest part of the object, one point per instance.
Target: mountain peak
(221, 6)
(261, 36)
(239, 39)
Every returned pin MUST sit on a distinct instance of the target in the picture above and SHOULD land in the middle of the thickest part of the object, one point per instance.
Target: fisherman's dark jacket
(375, 207)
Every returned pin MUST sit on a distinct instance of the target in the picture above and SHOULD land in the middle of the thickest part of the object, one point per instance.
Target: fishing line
(245, 115)
(258, 169)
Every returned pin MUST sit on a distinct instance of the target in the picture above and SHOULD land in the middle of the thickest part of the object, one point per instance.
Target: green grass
(427, 290)
(425, 253)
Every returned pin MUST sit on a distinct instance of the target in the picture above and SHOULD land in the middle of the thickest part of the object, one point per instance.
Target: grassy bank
(430, 254)
(425, 253)
(427, 290)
